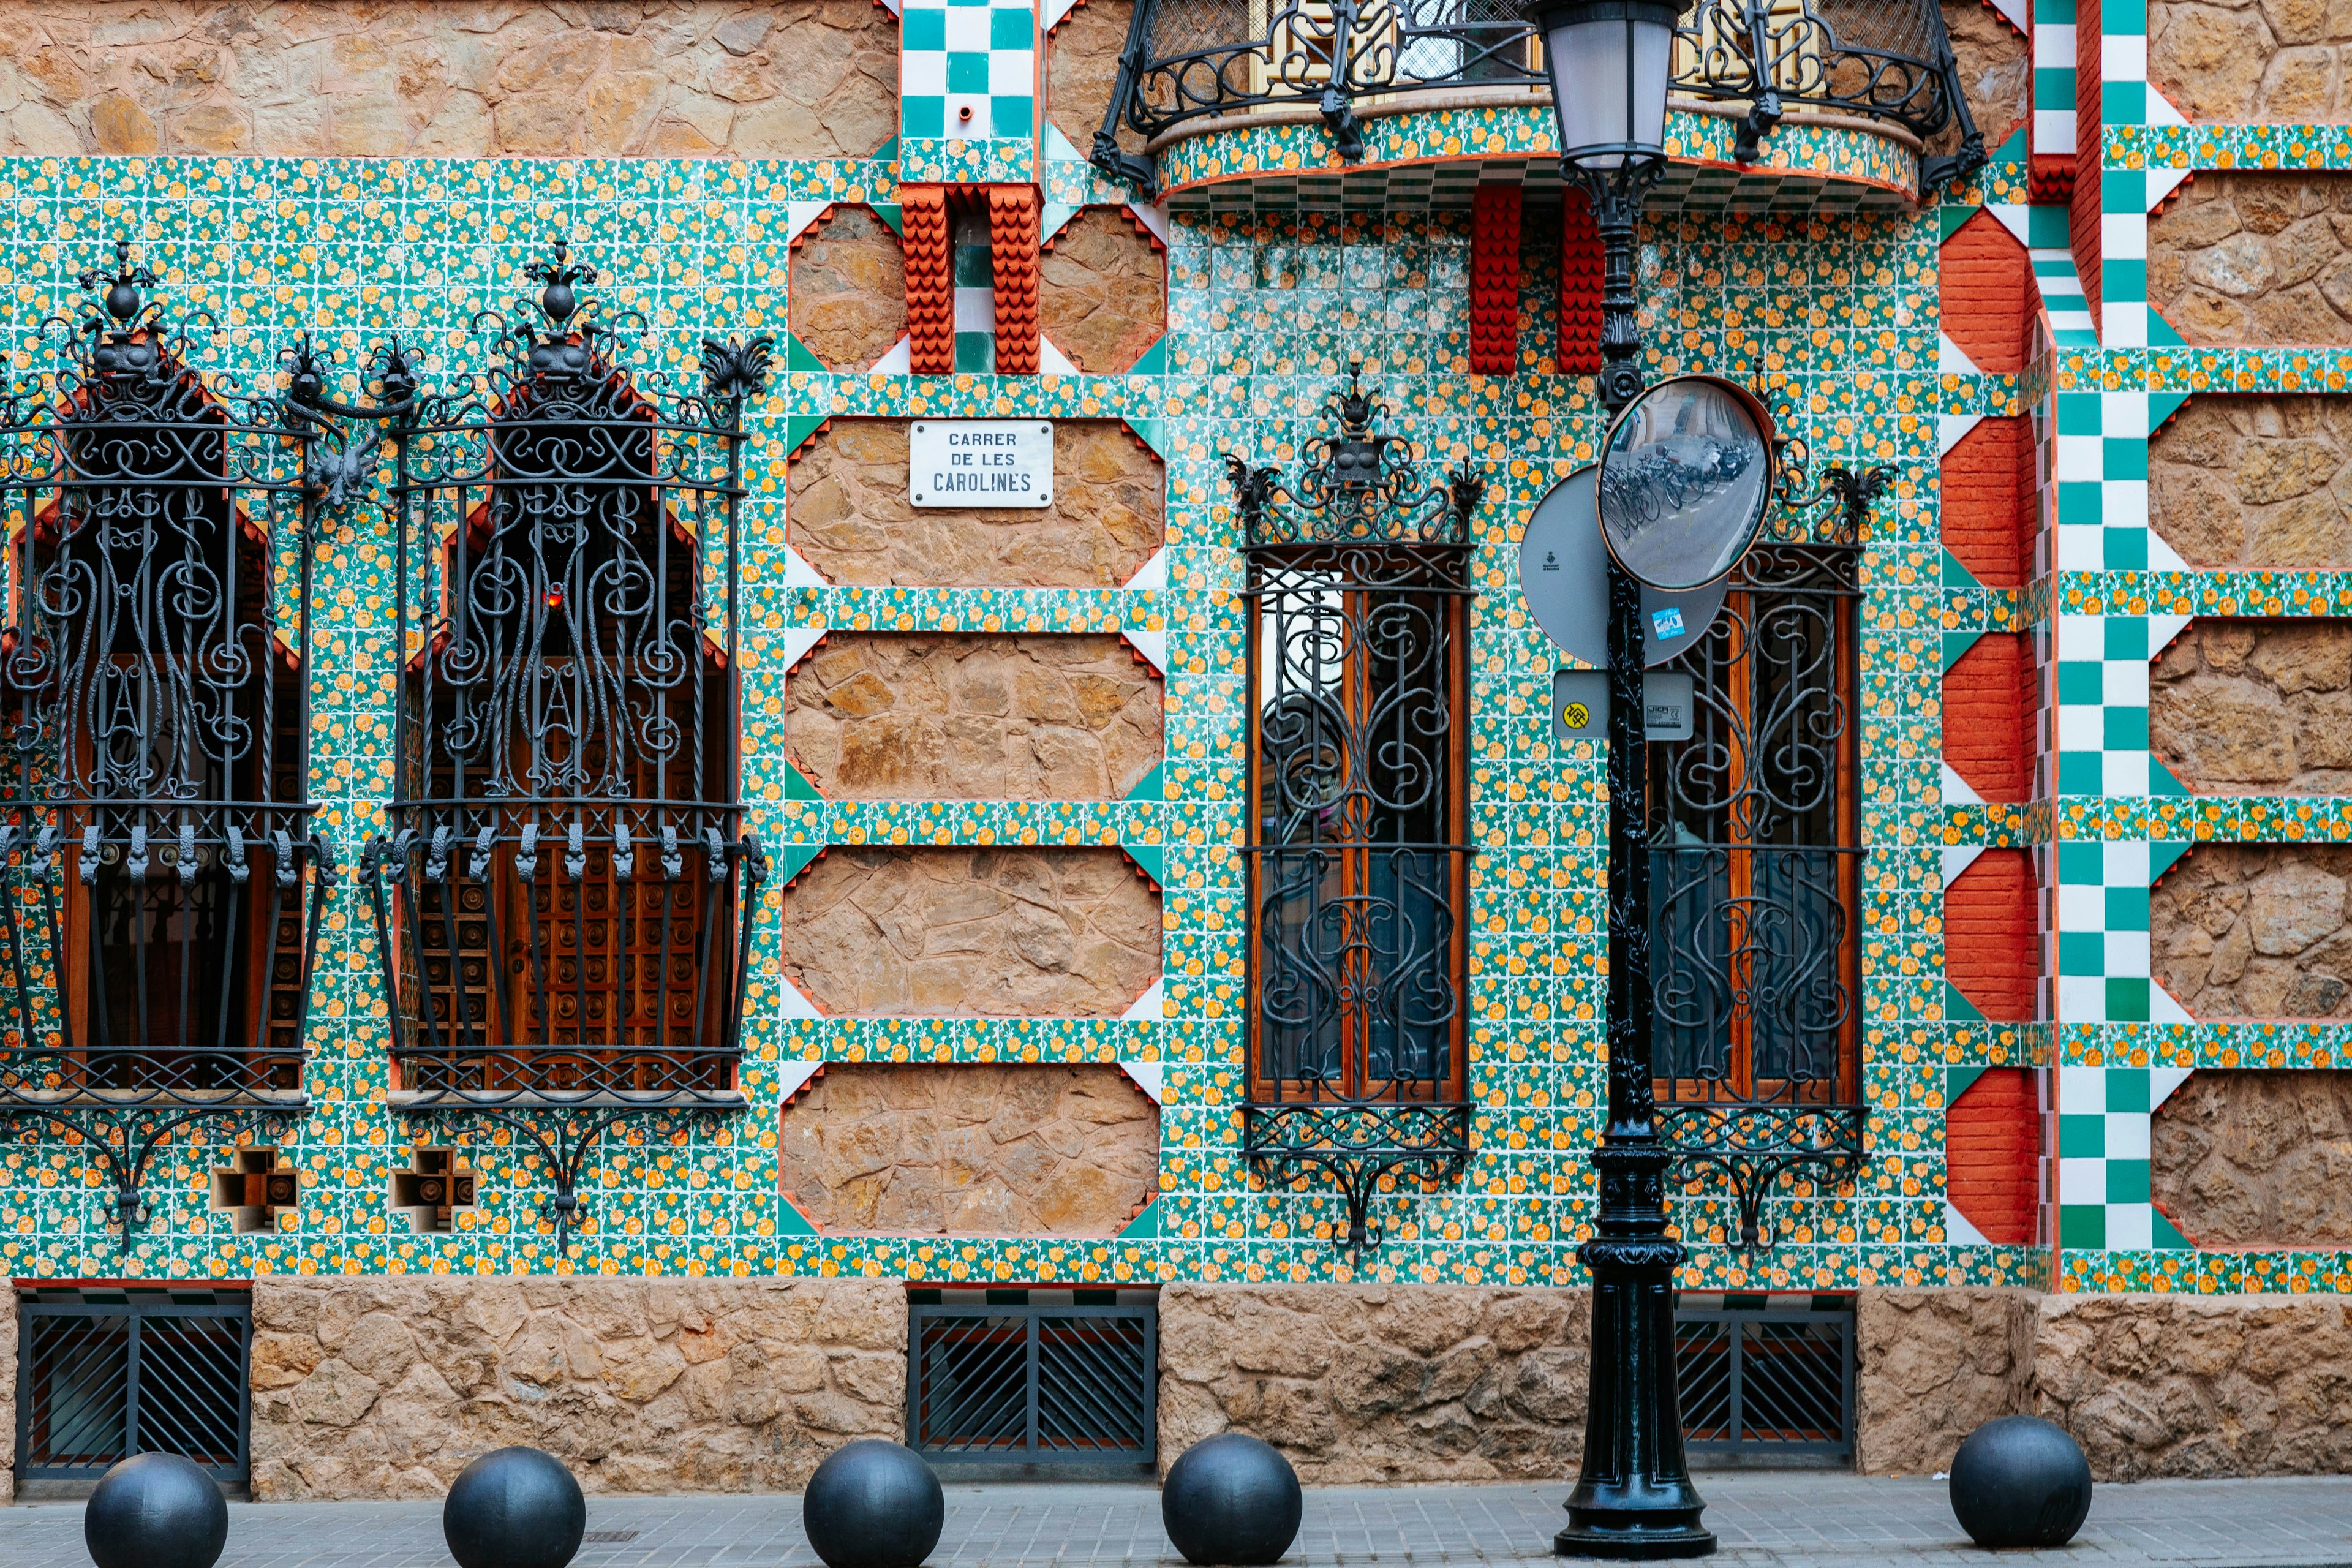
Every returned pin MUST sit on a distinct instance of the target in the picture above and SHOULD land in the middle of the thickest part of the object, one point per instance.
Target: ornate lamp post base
(1633, 1499)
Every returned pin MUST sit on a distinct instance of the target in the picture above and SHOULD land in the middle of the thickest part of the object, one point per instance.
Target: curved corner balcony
(1776, 105)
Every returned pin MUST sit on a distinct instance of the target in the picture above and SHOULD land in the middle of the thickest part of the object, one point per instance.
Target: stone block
(803, 79)
(1102, 295)
(2255, 257)
(2235, 61)
(2255, 707)
(849, 289)
(1082, 67)
(891, 716)
(2253, 1159)
(2238, 483)
(615, 1377)
(973, 932)
(1930, 1367)
(2251, 931)
(849, 513)
(978, 1149)
(1360, 1383)
(1996, 73)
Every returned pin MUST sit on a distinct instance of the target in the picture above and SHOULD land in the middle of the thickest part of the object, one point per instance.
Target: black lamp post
(1608, 64)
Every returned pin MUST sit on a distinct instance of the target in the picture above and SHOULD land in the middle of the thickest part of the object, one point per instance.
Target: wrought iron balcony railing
(1187, 62)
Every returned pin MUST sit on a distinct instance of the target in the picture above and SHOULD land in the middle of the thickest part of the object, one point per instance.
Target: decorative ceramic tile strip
(969, 822)
(1992, 394)
(2236, 592)
(1995, 827)
(2191, 369)
(973, 1040)
(2252, 819)
(1982, 610)
(2211, 146)
(977, 609)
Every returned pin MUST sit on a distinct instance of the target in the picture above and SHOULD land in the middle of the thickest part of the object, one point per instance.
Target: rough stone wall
(1368, 1384)
(373, 1387)
(2250, 482)
(2257, 1159)
(971, 1149)
(2256, 258)
(887, 716)
(848, 511)
(990, 934)
(1102, 293)
(2255, 707)
(1082, 67)
(2254, 931)
(849, 289)
(1996, 73)
(2181, 1386)
(2240, 60)
(1931, 1367)
(673, 79)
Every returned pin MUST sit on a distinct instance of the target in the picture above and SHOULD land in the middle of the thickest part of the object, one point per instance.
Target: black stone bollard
(1231, 1498)
(514, 1507)
(2019, 1480)
(873, 1504)
(155, 1511)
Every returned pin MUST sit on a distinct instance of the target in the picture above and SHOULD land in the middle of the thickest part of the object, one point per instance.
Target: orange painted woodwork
(1013, 263)
(1985, 281)
(1495, 281)
(1580, 288)
(1990, 699)
(1989, 500)
(930, 280)
(1992, 1147)
(1991, 946)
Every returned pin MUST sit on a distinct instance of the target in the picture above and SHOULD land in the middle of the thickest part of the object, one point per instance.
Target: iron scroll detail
(1357, 595)
(166, 879)
(1185, 63)
(564, 886)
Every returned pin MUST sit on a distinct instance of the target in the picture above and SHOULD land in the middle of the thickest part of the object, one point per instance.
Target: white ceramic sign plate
(981, 462)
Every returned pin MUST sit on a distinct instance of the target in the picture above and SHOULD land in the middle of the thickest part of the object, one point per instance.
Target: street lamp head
(1608, 61)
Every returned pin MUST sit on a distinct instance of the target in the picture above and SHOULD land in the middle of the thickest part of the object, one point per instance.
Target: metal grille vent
(1064, 1378)
(104, 1375)
(1767, 1380)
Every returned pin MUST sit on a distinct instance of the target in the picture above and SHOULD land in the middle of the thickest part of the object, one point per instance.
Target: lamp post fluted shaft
(1633, 1497)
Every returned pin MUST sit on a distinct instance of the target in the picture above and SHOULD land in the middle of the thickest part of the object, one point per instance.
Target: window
(152, 666)
(1755, 855)
(1358, 868)
(561, 890)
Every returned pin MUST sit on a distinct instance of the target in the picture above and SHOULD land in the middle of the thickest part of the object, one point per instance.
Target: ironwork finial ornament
(1359, 484)
(557, 301)
(129, 346)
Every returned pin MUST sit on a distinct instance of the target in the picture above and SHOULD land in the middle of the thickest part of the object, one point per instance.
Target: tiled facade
(1812, 276)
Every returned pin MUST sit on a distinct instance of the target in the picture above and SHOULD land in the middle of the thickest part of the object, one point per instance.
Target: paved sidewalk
(1763, 1519)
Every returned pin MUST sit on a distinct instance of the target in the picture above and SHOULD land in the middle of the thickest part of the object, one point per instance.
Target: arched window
(166, 879)
(562, 888)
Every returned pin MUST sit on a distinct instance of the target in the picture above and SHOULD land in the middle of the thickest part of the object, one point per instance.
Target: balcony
(1228, 103)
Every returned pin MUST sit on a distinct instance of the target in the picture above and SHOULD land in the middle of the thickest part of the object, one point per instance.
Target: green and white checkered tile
(2105, 1199)
(968, 69)
(2054, 77)
(2101, 909)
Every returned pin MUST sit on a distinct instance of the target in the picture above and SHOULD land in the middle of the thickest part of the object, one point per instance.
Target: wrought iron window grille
(563, 890)
(1756, 852)
(103, 1374)
(165, 883)
(1191, 60)
(1050, 1377)
(1358, 591)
